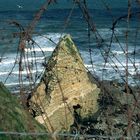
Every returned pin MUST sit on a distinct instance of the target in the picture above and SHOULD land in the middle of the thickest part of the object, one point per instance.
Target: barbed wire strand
(65, 134)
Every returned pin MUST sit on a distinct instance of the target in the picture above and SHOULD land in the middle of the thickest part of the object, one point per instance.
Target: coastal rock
(118, 114)
(65, 89)
(14, 118)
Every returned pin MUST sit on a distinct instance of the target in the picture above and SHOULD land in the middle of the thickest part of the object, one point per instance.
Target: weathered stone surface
(65, 87)
(13, 118)
(118, 115)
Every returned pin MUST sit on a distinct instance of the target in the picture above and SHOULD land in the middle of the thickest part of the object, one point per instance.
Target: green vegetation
(13, 118)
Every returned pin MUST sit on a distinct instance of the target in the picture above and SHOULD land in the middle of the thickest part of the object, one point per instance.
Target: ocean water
(52, 27)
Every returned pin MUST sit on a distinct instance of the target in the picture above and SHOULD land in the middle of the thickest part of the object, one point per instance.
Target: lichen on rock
(64, 86)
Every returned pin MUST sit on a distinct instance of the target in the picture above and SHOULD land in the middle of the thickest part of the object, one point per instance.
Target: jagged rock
(64, 88)
(118, 113)
(13, 118)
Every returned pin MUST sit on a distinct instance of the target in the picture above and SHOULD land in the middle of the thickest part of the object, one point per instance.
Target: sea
(108, 56)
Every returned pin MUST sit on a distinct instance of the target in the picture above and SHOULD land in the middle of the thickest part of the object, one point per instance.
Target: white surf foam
(17, 83)
(45, 43)
(50, 49)
(123, 64)
(22, 72)
(42, 43)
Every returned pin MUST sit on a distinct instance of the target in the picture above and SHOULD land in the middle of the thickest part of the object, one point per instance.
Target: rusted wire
(25, 36)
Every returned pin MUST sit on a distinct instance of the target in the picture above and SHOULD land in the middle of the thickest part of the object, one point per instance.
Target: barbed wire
(78, 135)
(25, 34)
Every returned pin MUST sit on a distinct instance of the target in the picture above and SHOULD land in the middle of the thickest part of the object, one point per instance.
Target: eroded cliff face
(64, 88)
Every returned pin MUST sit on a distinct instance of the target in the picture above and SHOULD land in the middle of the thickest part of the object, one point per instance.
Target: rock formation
(13, 118)
(118, 115)
(64, 88)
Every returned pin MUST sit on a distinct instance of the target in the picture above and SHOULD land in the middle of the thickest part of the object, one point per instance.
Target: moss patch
(13, 118)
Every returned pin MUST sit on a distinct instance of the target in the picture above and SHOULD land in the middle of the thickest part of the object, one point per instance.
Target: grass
(13, 118)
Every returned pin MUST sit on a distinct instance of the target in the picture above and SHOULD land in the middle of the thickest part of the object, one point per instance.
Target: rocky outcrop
(64, 88)
(118, 114)
(13, 118)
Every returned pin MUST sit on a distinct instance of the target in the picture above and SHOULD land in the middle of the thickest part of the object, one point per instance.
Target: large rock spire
(65, 87)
